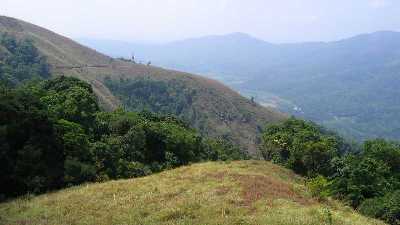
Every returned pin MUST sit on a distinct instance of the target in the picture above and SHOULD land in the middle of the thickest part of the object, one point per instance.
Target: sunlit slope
(247, 192)
(213, 100)
(63, 52)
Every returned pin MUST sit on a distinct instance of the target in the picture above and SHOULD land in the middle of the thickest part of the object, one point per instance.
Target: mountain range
(81, 135)
(351, 85)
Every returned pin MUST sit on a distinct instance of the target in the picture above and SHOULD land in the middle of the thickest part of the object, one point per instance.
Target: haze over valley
(218, 112)
(348, 85)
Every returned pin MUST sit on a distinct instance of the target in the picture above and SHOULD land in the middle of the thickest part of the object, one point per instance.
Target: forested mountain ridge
(350, 85)
(214, 109)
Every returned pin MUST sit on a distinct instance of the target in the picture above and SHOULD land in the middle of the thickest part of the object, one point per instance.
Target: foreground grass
(247, 192)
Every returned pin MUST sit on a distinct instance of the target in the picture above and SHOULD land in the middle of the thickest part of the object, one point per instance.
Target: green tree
(71, 99)
(370, 174)
(30, 152)
(385, 151)
(386, 208)
(302, 146)
(359, 178)
(78, 165)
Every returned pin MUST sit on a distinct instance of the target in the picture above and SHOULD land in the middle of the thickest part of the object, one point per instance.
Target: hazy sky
(164, 20)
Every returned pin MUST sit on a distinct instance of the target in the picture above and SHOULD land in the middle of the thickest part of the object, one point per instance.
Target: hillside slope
(224, 112)
(247, 192)
(351, 85)
(218, 55)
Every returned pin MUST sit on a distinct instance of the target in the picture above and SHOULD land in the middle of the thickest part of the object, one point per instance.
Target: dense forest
(366, 176)
(53, 133)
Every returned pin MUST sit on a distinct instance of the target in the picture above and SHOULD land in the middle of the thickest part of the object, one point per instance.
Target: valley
(347, 85)
(221, 129)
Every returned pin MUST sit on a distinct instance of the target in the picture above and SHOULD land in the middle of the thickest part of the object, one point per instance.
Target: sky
(277, 21)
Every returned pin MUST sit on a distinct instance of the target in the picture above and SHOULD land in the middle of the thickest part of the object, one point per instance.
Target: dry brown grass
(247, 192)
(256, 187)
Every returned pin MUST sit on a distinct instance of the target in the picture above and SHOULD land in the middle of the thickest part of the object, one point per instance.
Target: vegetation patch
(366, 176)
(20, 61)
(53, 134)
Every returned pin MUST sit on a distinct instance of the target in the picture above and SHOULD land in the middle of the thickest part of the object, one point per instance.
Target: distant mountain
(352, 85)
(217, 55)
(209, 106)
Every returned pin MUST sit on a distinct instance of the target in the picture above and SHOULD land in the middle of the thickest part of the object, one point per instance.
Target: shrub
(319, 187)
(361, 178)
(302, 146)
(386, 208)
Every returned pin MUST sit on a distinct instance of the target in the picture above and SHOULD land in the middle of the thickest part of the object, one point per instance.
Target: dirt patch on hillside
(257, 187)
(217, 176)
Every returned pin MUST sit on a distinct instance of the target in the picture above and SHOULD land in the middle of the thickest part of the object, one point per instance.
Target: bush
(361, 178)
(132, 169)
(301, 146)
(369, 174)
(386, 208)
(319, 187)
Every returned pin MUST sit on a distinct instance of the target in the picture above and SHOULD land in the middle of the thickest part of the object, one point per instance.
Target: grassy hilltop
(246, 192)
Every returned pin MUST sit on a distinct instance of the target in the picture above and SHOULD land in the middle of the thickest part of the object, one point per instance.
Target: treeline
(53, 134)
(366, 176)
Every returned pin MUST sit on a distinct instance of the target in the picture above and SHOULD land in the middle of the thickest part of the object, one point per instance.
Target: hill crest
(246, 192)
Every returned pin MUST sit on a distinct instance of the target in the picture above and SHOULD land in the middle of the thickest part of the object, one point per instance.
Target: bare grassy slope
(62, 51)
(213, 99)
(247, 192)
